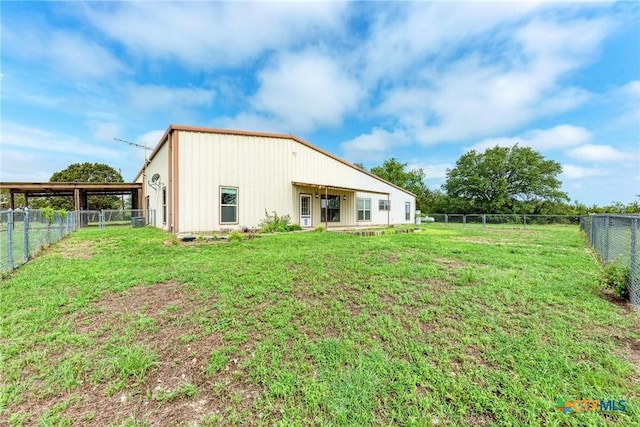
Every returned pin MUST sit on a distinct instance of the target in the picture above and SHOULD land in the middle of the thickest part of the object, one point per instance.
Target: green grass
(449, 326)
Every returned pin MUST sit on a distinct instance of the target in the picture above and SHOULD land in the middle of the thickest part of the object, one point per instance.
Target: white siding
(159, 165)
(263, 169)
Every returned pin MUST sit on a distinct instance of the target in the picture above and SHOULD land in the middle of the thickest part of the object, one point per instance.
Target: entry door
(305, 210)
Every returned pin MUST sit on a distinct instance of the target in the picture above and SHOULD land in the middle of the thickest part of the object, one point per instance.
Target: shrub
(277, 224)
(319, 229)
(49, 214)
(617, 277)
(235, 236)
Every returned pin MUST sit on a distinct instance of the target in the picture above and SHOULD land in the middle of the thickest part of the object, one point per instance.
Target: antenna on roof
(136, 145)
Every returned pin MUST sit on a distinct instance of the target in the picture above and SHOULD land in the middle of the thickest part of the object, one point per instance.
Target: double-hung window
(228, 205)
(383, 205)
(364, 209)
(407, 211)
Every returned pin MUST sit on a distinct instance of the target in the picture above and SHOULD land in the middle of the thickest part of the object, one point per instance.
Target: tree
(86, 172)
(411, 180)
(505, 180)
(360, 165)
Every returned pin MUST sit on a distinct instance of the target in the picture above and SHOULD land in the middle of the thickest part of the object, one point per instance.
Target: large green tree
(505, 180)
(412, 180)
(86, 172)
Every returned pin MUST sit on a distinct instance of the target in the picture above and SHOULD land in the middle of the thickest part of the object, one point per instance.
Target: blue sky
(423, 82)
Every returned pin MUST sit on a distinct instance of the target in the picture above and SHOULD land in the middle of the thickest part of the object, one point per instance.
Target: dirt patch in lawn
(449, 264)
(172, 322)
(72, 249)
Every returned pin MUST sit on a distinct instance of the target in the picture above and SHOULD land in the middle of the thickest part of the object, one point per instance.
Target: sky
(423, 82)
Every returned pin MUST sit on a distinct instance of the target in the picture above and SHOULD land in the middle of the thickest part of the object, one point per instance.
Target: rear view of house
(201, 179)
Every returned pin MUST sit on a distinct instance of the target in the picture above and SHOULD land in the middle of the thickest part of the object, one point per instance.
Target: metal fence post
(26, 235)
(61, 226)
(464, 219)
(606, 241)
(446, 219)
(524, 221)
(593, 232)
(484, 221)
(10, 240)
(633, 292)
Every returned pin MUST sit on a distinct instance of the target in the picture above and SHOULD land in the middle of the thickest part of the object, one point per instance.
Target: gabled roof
(187, 128)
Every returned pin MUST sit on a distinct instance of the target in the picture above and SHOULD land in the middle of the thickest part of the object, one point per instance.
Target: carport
(80, 191)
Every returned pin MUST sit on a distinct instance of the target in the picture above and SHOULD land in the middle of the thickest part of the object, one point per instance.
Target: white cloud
(206, 34)
(627, 99)
(576, 172)
(601, 154)
(484, 92)
(163, 98)
(631, 89)
(63, 52)
(307, 90)
(32, 154)
(13, 162)
(402, 36)
(252, 122)
(104, 131)
(373, 146)
(21, 136)
(541, 139)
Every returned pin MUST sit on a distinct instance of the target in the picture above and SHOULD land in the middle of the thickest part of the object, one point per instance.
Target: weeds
(617, 277)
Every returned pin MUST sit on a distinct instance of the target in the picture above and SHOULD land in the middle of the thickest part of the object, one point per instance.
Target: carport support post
(326, 208)
(10, 240)
(26, 235)
(76, 199)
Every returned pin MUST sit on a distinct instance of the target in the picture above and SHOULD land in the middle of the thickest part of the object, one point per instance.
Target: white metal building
(202, 180)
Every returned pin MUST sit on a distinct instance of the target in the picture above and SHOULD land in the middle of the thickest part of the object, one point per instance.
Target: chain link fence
(23, 233)
(509, 220)
(615, 239)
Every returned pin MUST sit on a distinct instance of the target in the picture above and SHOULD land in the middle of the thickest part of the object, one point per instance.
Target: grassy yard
(449, 326)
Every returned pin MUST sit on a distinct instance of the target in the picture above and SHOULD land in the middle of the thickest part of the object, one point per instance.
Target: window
(305, 205)
(407, 211)
(364, 209)
(228, 205)
(164, 205)
(383, 205)
(330, 205)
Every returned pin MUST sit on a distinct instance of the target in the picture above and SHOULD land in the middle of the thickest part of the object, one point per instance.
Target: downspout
(176, 181)
(170, 183)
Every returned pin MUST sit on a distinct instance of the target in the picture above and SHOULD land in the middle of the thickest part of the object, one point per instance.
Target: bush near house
(277, 224)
